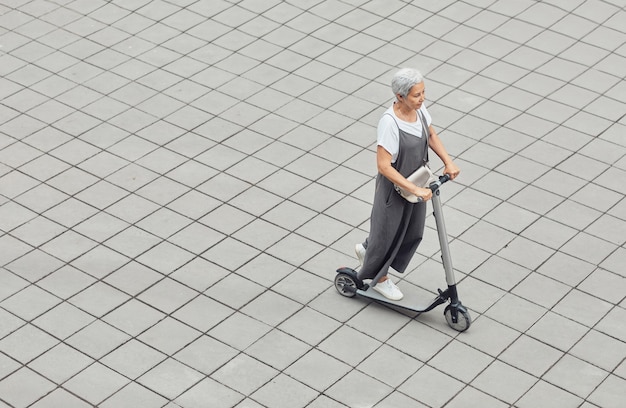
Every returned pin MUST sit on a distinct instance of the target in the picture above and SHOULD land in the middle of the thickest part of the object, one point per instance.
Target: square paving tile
(430, 386)
(211, 392)
(60, 397)
(132, 395)
(133, 359)
(97, 339)
(278, 349)
(169, 336)
(284, 390)
(230, 374)
(575, 376)
(24, 387)
(96, 383)
(310, 326)
(60, 363)
(170, 378)
(239, 331)
(63, 320)
(30, 303)
(542, 390)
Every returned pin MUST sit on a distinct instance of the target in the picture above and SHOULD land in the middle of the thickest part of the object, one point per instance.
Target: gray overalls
(396, 225)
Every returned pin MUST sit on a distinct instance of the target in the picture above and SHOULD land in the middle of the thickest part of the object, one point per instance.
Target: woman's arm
(383, 161)
(436, 145)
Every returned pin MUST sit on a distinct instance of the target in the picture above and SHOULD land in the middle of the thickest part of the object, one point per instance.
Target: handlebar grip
(434, 186)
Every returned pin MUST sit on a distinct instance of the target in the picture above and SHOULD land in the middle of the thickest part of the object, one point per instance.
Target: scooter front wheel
(345, 285)
(463, 318)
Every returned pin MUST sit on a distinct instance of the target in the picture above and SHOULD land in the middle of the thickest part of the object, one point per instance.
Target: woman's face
(415, 97)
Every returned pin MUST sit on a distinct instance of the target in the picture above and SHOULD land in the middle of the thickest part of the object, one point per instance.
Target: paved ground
(179, 180)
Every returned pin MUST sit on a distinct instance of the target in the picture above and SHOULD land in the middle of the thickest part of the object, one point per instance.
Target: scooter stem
(443, 239)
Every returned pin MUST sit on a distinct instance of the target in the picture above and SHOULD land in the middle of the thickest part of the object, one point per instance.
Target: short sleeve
(388, 136)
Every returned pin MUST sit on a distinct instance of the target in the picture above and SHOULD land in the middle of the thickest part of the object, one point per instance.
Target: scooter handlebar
(434, 186)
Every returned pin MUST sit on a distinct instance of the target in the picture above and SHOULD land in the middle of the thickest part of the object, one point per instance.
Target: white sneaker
(388, 289)
(360, 252)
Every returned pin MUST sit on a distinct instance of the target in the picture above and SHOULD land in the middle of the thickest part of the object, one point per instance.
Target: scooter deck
(411, 301)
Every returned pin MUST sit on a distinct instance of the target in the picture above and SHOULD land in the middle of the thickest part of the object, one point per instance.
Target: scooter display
(457, 316)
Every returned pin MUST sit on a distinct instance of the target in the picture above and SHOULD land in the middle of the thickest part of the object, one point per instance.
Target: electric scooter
(348, 284)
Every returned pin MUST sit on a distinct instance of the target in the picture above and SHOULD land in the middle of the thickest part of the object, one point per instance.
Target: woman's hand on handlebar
(423, 194)
(452, 170)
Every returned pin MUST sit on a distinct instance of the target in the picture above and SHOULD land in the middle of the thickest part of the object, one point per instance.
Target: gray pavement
(180, 179)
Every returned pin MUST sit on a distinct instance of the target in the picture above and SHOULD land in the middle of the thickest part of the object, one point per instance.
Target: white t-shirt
(388, 135)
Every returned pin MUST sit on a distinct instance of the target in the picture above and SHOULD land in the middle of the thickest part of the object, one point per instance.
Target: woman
(397, 225)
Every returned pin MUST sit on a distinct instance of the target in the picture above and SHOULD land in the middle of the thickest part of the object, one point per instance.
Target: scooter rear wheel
(463, 321)
(345, 285)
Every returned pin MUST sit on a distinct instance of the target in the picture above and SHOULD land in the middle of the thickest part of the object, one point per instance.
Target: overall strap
(425, 132)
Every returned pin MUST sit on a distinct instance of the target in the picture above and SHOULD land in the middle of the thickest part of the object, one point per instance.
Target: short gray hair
(404, 80)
